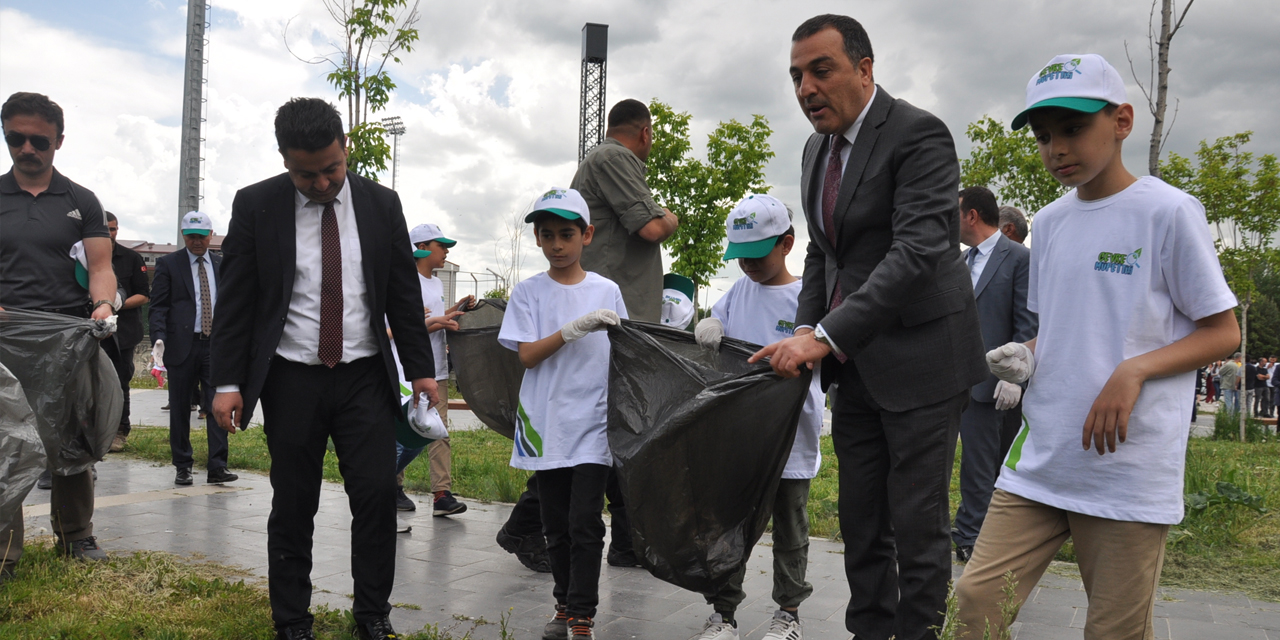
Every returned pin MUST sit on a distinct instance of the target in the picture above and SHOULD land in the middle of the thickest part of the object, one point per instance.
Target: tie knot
(199, 259)
(838, 143)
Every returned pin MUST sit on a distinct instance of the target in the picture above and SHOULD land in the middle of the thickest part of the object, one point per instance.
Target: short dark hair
(856, 43)
(544, 216)
(984, 201)
(308, 124)
(111, 217)
(24, 103)
(629, 112)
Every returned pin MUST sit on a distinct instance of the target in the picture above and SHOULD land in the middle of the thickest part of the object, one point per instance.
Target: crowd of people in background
(1222, 381)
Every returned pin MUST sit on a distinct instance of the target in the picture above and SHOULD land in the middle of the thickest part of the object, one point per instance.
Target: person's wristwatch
(822, 337)
(100, 303)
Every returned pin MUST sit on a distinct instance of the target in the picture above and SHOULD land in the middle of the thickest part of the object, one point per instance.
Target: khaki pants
(1119, 563)
(790, 553)
(440, 457)
(70, 512)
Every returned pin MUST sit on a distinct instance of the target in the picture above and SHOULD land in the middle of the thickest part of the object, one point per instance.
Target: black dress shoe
(295, 634)
(183, 478)
(219, 476)
(379, 629)
(622, 559)
(964, 552)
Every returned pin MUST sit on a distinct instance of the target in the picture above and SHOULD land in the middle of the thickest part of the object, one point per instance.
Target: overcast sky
(490, 96)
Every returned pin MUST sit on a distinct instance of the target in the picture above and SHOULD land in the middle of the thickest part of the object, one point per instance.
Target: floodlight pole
(193, 103)
(394, 126)
(595, 51)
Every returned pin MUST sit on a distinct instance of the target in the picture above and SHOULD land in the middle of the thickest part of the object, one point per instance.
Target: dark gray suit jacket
(907, 293)
(1002, 304)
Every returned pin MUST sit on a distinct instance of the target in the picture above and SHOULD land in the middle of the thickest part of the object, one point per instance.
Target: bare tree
(508, 252)
(1158, 78)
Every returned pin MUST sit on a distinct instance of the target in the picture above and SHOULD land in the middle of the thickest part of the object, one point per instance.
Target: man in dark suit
(884, 289)
(998, 268)
(183, 297)
(314, 260)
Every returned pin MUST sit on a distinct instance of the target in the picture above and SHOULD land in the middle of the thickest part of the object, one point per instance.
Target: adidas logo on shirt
(74, 213)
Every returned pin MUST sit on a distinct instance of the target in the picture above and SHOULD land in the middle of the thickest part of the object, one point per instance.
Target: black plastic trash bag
(699, 441)
(22, 457)
(489, 374)
(69, 382)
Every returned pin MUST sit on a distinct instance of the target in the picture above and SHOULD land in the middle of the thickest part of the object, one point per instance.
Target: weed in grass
(952, 627)
(1226, 426)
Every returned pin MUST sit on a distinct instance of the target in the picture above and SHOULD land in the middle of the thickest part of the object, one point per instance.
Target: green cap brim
(563, 213)
(82, 275)
(445, 242)
(757, 249)
(1083, 105)
(679, 283)
(195, 232)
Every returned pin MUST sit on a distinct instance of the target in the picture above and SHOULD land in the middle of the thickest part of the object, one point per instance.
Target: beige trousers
(440, 457)
(1119, 563)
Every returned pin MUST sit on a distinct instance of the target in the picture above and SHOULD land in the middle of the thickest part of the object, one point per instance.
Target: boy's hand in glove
(1012, 362)
(594, 321)
(708, 333)
(1007, 395)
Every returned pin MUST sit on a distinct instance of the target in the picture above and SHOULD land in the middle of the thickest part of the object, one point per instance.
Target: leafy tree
(1264, 326)
(1008, 163)
(1241, 197)
(374, 33)
(703, 193)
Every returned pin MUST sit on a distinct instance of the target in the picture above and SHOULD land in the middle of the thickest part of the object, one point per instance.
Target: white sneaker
(717, 629)
(784, 626)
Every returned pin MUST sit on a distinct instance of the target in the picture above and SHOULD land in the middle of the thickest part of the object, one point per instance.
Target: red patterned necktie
(830, 192)
(330, 351)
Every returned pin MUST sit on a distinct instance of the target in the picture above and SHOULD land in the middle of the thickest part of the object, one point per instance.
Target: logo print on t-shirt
(786, 327)
(74, 213)
(1122, 263)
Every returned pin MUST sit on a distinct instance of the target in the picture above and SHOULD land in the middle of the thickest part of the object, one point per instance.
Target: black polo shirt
(36, 236)
(131, 277)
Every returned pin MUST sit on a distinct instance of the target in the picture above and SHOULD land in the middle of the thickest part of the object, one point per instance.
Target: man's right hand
(228, 410)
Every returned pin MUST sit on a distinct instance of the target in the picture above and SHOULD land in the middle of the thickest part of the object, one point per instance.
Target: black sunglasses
(16, 140)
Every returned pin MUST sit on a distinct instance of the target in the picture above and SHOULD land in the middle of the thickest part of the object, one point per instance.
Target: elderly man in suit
(183, 296)
(884, 287)
(316, 265)
(998, 268)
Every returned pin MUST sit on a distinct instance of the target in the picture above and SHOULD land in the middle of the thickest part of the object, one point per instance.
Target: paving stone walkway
(451, 572)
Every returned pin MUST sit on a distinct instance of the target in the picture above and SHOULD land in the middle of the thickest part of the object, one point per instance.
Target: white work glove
(1007, 395)
(426, 421)
(1012, 362)
(594, 321)
(708, 333)
(157, 352)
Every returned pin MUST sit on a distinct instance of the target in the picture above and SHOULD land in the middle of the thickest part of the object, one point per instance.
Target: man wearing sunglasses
(42, 215)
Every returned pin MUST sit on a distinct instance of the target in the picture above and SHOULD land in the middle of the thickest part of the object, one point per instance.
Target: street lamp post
(394, 126)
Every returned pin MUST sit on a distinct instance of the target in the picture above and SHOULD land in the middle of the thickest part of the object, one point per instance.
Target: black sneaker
(558, 628)
(447, 505)
(379, 629)
(531, 550)
(580, 628)
(622, 559)
(46, 480)
(403, 503)
(964, 553)
(83, 549)
(295, 634)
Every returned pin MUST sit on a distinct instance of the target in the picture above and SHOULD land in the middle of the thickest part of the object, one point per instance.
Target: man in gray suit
(884, 288)
(998, 268)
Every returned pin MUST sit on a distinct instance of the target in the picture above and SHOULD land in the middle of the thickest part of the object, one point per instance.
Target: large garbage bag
(699, 441)
(22, 457)
(69, 382)
(489, 374)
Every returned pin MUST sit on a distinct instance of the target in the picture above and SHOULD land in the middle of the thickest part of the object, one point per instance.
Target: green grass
(152, 595)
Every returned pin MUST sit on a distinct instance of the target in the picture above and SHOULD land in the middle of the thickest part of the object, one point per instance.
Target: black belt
(200, 337)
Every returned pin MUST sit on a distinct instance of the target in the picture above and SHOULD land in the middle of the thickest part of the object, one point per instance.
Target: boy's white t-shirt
(1112, 279)
(564, 400)
(764, 315)
(433, 300)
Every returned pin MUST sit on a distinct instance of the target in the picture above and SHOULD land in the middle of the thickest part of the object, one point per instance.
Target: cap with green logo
(754, 226)
(566, 203)
(195, 223)
(1083, 82)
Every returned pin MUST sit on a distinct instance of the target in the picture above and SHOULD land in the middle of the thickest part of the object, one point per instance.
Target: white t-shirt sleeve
(518, 323)
(620, 306)
(720, 310)
(1194, 275)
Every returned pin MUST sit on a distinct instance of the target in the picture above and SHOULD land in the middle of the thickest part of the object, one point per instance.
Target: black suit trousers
(303, 407)
(895, 473)
(183, 381)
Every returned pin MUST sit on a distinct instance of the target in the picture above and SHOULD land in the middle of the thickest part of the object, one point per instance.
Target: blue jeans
(405, 456)
(1232, 398)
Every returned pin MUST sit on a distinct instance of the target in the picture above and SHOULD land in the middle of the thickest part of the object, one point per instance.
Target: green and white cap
(754, 225)
(197, 223)
(1083, 82)
(566, 203)
(677, 300)
(427, 233)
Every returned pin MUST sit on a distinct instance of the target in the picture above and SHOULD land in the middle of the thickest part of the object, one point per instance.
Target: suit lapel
(184, 270)
(861, 153)
(993, 264)
(362, 208)
(813, 187)
(285, 215)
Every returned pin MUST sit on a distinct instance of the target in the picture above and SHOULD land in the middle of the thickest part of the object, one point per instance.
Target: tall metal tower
(595, 49)
(193, 102)
(394, 126)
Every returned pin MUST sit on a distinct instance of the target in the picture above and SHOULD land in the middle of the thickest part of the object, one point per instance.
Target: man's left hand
(429, 387)
(787, 356)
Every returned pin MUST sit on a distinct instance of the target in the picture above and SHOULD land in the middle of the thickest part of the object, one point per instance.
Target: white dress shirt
(984, 250)
(300, 341)
(195, 280)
